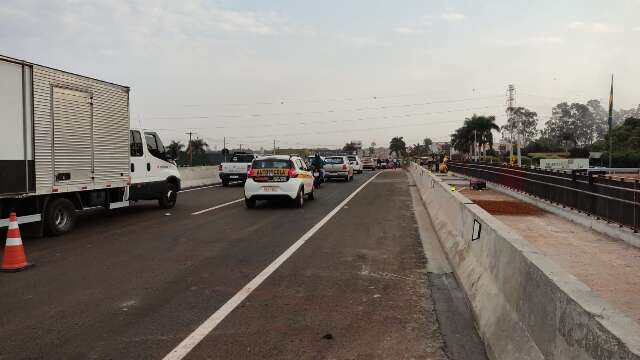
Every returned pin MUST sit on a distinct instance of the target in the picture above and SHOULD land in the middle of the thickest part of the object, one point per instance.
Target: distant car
(368, 163)
(278, 177)
(355, 163)
(338, 167)
(236, 168)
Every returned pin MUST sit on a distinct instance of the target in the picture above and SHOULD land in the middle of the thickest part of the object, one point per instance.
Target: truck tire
(168, 197)
(59, 217)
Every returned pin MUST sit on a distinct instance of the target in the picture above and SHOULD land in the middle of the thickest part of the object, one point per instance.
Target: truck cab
(154, 174)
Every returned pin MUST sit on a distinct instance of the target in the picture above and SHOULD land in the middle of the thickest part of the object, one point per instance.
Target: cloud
(405, 30)
(637, 28)
(593, 27)
(453, 16)
(362, 41)
(542, 40)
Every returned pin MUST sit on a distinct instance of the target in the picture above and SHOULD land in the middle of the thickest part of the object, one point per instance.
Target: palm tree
(198, 147)
(174, 149)
(398, 146)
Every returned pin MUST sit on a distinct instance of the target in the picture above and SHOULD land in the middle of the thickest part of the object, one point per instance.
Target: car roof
(275, 157)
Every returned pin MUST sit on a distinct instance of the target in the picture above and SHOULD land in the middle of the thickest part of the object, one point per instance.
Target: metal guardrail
(609, 199)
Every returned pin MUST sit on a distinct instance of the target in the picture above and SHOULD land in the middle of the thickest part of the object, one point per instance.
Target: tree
(349, 148)
(398, 146)
(198, 146)
(427, 145)
(174, 149)
(626, 137)
(523, 122)
(577, 124)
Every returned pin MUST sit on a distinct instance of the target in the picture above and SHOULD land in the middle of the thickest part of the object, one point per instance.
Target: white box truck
(66, 145)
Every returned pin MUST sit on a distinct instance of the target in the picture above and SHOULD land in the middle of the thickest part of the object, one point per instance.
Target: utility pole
(274, 147)
(240, 147)
(190, 133)
(511, 101)
(224, 147)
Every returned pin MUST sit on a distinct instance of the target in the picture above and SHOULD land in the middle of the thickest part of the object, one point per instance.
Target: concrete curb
(526, 306)
(199, 176)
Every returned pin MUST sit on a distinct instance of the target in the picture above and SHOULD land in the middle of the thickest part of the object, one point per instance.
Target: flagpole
(610, 122)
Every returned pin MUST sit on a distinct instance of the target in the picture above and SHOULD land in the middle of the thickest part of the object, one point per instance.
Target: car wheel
(311, 195)
(225, 182)
(351, 178)
(250, 203)
(299, 200)
(168, 197)
(60, 217)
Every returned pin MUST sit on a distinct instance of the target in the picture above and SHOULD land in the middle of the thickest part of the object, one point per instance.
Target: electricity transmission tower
(511, 102)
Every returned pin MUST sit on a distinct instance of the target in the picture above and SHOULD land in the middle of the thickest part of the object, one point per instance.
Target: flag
(611, 106)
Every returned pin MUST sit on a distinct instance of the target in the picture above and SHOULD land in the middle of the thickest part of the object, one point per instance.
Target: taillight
(220, 167)
(292, 173)
(344, 166)
(250, 172)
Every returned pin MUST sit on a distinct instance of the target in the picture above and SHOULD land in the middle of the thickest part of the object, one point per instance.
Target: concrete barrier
(526, 306)
(199, 176)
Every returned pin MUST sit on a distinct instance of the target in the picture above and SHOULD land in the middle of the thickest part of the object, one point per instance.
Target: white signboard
(560, 164)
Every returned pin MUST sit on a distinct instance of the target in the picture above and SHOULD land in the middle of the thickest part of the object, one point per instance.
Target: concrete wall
(526, 306)
(199, 176)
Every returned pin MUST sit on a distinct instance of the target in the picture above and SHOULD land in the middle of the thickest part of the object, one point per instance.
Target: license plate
(233, 176)
(279, 178)
(270, 188)
(316, 174)
(271, 172)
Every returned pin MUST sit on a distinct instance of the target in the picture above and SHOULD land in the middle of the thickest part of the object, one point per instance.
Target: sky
(322, 73)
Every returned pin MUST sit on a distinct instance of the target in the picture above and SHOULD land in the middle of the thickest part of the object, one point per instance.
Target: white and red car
(278, 177)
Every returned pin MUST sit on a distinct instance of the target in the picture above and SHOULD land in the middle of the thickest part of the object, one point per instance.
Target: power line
(324, 112)
(365, 118)
(286, 101)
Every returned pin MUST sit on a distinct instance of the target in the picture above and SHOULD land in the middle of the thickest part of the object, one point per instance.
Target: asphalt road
(135, 283)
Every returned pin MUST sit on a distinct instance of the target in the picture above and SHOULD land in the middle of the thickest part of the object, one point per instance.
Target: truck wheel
(225, 183)
(60, 216)
(250, 203)
(169, 197)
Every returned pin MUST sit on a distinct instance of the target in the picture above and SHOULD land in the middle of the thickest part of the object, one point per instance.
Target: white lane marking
(180, 351)
(200, 188)
(216, 207)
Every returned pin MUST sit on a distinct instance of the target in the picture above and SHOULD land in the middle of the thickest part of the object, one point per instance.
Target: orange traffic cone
(14, 258)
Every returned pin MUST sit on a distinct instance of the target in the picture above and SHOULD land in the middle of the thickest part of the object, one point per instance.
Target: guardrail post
(635, 204)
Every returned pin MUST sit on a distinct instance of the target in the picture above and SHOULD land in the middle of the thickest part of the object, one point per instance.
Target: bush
(627, 159)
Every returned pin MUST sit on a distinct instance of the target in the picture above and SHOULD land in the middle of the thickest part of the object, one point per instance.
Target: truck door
(156, 157)
(16, 155)
(138, 158)
(72, 136)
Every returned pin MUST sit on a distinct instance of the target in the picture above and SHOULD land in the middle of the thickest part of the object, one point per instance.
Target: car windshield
(352, 158)
(242, 158)
(272, 164)
(334, 160)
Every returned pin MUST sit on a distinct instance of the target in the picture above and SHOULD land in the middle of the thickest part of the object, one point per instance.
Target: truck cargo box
(60, 131)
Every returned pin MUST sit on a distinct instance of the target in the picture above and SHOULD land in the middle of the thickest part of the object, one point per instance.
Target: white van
(66, 145)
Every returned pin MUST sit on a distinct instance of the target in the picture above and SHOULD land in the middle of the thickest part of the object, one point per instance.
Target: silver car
(338, 167)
